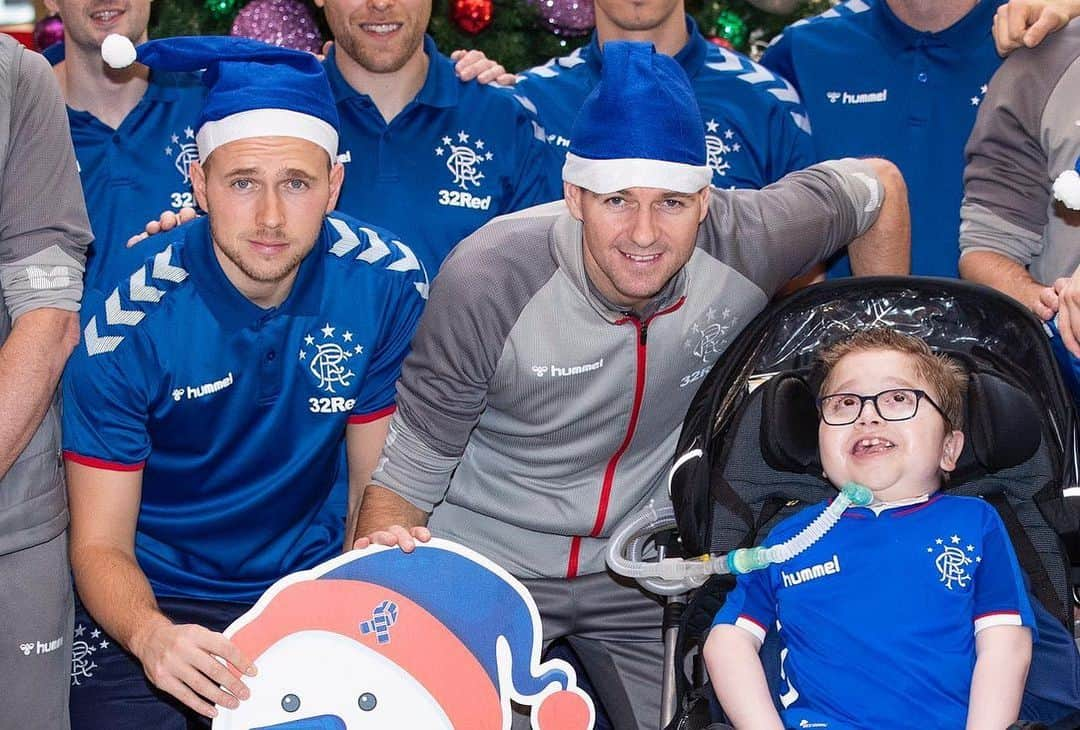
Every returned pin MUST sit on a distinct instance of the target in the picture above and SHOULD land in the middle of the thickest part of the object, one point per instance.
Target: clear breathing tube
(671, 576)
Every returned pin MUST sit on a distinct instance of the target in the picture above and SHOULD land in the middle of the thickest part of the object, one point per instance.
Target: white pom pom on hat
(1067, 189)
(118, 51)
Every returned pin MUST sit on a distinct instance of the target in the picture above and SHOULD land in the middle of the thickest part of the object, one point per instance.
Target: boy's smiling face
(894, 459)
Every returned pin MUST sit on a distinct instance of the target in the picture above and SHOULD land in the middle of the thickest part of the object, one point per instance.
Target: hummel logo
(26, 648)
(53, 277)
(829, 567)
(540, 370)
(834, 96)
(560, 372)
(869, 97)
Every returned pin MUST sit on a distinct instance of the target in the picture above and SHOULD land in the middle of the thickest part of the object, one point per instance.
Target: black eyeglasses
(896, 404)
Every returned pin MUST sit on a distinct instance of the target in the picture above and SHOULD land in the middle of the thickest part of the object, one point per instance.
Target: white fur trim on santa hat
(118, 51)
(266, 123)
(1067, 189)
(608, 176)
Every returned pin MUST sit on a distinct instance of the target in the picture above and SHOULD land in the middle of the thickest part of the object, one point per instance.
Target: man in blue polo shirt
(133, 131)
(204, 412)
(426, 156)
(756, 129)
(900, 79)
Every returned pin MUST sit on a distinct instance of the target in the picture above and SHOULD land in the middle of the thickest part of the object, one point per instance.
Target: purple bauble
(567, 17)
(286, 23)
(48, 31)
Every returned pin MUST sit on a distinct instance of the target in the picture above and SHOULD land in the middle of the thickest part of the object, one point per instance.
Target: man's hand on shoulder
(185, 661)
(1067, 289)
(475, 65)
(1026, 23)
(167, 221)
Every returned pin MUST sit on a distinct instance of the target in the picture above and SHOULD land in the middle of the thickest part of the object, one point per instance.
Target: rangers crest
(718, 146)
(953, 560)
(327, 355)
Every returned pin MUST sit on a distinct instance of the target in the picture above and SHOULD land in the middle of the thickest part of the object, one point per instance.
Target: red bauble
(722, 42)
(472, 16)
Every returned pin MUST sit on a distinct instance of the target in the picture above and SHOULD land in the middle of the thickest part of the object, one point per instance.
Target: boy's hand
(475, 65)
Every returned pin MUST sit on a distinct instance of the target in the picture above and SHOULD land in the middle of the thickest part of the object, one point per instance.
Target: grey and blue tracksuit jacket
(533, 417)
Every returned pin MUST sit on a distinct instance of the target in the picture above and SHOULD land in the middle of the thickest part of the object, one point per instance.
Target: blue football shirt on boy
(756, 131)
(455, 157)
(873, 85)
(134, 172)
(235, 413)
(878, 618)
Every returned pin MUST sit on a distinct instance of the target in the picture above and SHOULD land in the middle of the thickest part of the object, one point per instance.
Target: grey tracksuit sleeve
(1026, 134)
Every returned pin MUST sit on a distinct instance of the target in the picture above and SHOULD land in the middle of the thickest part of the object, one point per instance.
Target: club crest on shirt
(182, 150)
(707, 340)
(976, 99)
(326, 355)
(954, 561)
(718, 145)
(464, 158)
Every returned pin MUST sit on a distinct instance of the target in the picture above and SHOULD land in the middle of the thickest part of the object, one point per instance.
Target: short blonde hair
(941, 373)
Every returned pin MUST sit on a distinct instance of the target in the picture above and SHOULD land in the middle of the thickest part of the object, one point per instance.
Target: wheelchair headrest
(1002, 426)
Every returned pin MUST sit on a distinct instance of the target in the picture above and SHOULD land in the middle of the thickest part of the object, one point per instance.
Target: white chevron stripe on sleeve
(164, 270)
(731, 62)
(115, 314)
(787, 93)
(96, 344)
(348, 240)
(376, 251)
(139, 290)
(802, 122)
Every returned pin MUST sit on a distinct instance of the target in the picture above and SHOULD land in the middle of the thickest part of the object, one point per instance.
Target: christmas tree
(517, 33)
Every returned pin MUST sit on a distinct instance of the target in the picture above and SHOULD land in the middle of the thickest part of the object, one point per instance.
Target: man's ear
(704, 193)
(198, 184)
(337, 177)
(572, 194)
(950, 451)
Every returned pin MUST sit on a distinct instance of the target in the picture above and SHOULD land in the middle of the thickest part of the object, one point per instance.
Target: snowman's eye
(367, 702)
(290, 703)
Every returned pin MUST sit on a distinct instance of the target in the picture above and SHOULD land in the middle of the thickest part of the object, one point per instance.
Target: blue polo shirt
(235, 413)
(756, 130)
(133, 173)
(875, 86)
(878, 618)
(455, 157)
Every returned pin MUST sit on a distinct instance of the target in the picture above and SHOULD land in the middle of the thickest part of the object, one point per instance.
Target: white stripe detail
(731, 62)
(856, 6)
(377, 250)
(164, 270)
(1010, 618)
(802, 122)
(571, 60)
(525, 102)
(266, 123)
(830, 13)
(607, 176)
(787, 93)
(758, 75)
(139, 291)
(348, 240)
(96, 344)
(1071, 492)
(115, 314)
(544, 72)
(751, 627)
(407, 262)
(691, 454)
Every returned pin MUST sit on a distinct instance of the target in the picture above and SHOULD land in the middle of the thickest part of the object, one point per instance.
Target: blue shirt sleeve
(751, 605)
(1000, 596)
(535, 182)
(401, 313)
(106, 401)
(778, 59)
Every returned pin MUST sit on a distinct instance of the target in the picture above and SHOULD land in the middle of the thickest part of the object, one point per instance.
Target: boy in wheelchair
(911, 612)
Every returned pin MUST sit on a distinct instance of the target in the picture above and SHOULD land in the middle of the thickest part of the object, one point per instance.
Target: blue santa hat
(1067, 187)
(255, 89)
(640, 126)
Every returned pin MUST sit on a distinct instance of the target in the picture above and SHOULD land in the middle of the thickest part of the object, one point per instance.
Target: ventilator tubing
(672, 576)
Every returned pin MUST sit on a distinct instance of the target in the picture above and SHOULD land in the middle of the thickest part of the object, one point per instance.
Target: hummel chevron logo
(164, 270)
(114, 314)
(139, 290)
(376, 251)
(97, 344)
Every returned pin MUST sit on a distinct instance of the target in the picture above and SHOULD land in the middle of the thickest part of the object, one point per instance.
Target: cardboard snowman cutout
(439, 639)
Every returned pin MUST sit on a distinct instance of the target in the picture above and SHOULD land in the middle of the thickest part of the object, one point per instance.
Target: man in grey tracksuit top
(559, 351)
(44, 233)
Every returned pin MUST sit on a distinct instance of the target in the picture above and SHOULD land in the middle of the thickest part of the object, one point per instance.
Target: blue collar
(964, 35)
(164, 85)
(232, 309)
(691, 57)
(441, 87)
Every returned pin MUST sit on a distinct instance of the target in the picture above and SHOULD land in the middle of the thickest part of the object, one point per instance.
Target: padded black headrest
(1002, 426)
